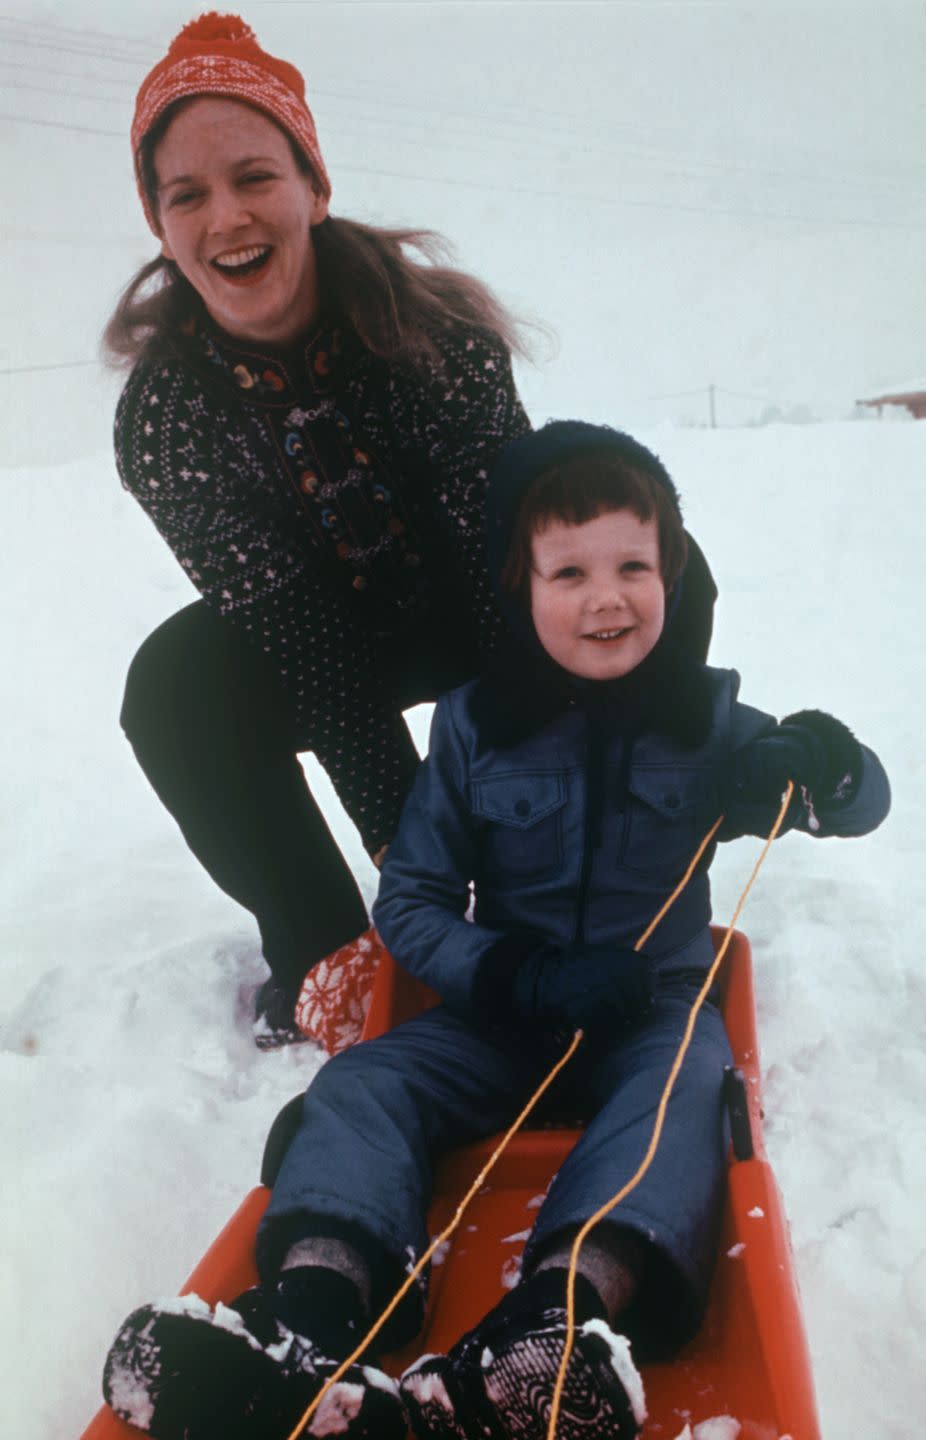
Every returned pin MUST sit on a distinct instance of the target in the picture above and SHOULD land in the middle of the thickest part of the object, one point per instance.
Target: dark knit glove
(816, 751)
(596, 988)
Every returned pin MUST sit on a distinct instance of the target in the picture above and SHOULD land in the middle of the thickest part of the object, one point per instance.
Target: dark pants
(213, 731)
(377, 1117)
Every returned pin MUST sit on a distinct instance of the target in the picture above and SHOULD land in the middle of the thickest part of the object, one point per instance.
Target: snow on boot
(437, 1404)
(181, 1370)
(498, 1381)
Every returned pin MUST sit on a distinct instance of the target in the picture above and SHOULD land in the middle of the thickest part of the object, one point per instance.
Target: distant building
(912, 397)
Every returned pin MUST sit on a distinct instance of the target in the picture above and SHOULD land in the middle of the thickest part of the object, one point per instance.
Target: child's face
(597, 598)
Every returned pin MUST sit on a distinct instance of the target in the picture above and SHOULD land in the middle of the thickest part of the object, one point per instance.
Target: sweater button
(673, 800)
(522, 808)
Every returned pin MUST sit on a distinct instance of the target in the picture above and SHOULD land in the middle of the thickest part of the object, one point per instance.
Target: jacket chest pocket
(521, 830)
(668, 816)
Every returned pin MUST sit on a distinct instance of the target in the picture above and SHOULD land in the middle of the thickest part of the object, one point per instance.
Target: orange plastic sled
(750, 1359)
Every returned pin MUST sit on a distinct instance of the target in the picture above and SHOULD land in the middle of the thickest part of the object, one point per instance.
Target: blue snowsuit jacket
(515, 823)
(581, 828)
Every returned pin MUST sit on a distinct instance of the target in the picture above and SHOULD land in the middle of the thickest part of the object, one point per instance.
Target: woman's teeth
(242, 262)
(607, 634)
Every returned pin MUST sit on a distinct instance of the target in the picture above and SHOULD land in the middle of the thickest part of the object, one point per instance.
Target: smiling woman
(310, 419)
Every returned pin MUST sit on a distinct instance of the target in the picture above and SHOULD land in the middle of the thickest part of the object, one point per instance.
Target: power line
(67, 94)
(59, 365)
(573, 126)
(684, 169)
(97, 54)
(604, 201)
(517, 119)
(111, 239)
(739, 395)
(20, 65)
(560, 128)
(643, 152)
(62, 125)
(679, 394)
(80, 33)
(622, 202)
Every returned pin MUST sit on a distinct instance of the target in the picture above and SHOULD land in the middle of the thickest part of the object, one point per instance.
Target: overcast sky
(687, 194)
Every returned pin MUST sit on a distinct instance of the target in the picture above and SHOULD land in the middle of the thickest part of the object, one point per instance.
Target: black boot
(181, 1370)
(319, 1301)
(497, 1382)
(275, 1016)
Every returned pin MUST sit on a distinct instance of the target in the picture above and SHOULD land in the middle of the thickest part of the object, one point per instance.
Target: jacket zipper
(593, 813)
(596, 721)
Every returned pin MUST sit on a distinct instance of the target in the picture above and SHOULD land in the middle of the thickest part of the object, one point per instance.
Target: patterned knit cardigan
(318, 504)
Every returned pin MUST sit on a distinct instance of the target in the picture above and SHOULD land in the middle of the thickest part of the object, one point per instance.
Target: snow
(131, 1397)
(510, 1273)
(622, 1365)
(718, 1427)
(440, 1254)
(426, 1383)
(135, 1102)
(339, 1407)
(378, 1380)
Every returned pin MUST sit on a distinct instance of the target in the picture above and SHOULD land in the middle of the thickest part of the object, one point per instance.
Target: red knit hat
(220, 55)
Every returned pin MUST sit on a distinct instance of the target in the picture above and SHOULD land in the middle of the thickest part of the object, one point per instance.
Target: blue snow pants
(377, 1117)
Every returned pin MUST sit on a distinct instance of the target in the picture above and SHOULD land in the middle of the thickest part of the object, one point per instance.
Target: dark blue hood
(525, 686)
(519, 463)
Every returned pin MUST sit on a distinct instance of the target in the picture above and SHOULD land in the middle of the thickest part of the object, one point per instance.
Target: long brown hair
(396, 304)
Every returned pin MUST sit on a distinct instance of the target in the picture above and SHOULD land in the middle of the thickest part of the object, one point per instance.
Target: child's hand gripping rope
(595, 988)
(814, 750)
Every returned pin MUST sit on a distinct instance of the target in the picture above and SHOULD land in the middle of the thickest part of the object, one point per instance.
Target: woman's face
(235, 214)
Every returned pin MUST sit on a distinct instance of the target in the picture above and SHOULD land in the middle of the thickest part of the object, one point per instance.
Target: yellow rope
(660, 914)
(661, 1111)
(435, 1244)
(516, 1126)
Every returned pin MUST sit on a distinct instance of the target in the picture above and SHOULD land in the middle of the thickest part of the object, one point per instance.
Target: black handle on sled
(736, 1100)
(282, 1134)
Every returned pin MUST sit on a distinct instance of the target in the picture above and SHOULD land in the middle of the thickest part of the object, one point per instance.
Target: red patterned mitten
(335, 995)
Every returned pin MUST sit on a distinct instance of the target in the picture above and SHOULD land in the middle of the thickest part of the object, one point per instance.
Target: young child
(569, 788)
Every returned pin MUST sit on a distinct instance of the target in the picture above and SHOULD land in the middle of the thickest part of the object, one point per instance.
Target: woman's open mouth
(244, 264)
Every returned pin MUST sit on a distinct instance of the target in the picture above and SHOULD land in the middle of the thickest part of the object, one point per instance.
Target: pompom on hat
(220, 55)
